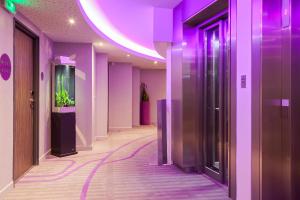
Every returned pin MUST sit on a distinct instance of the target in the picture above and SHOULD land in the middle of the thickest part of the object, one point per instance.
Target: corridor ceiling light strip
(98, 19)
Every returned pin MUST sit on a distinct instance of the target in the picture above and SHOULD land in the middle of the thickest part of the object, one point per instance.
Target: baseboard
(99, 138)
(44, 155)
(82, 148)
(6, 189)
(113, 129)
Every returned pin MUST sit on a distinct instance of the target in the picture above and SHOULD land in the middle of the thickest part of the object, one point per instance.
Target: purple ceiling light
(100, 23)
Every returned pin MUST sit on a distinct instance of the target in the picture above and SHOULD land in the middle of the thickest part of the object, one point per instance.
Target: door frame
(20, 26)
(220, 176)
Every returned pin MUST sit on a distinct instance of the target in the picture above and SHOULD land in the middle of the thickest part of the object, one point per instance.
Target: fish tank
(64, 86)
(63, 116)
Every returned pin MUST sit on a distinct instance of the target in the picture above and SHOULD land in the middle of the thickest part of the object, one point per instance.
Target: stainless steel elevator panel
(272, 163)
(276, 100)
(295, 98)
(185, 107)
(162, 131)
(177, 135)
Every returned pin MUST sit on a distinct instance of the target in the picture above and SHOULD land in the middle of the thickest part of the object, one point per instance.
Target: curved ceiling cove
(130, 26)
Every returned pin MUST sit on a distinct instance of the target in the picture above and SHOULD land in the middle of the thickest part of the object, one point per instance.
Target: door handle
(217, 109)
(285, 104)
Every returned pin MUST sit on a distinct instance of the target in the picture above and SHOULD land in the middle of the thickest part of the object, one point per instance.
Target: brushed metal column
(184, 103)
(295, 98)
(162, 131)
(276, 100)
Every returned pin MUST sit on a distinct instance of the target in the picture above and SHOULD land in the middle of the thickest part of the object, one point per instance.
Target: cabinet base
(63, 154)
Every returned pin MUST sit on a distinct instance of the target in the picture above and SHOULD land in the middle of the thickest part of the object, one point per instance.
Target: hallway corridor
(122, 166)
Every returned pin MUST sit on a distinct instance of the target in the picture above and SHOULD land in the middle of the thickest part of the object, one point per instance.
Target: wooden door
(23, 103)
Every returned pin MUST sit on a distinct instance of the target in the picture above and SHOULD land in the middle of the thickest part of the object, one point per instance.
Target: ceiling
(159, 3)
(51, 17)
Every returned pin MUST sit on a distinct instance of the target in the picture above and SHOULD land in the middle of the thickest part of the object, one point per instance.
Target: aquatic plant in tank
(64, 86)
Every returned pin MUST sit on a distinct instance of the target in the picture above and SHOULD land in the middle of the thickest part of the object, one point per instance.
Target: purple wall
(101, 95)
(46, 55)
(136, 96)
(177, 24)
(192, 7)
(156, 87)
(162, 25)
(120, 95)
(83, 92)
(124, 93)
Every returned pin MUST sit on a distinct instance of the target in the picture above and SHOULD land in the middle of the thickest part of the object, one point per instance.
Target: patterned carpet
(121, 167)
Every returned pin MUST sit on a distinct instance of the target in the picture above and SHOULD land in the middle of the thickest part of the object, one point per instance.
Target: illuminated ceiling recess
(98, 21)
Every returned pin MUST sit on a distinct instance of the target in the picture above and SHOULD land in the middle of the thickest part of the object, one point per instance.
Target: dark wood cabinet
(63, 137)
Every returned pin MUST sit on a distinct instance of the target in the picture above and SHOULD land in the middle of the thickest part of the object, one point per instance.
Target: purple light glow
(97, 19)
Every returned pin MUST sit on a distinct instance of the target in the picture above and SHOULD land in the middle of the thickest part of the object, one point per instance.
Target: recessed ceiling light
(155, 62)
(71, 21)
(128, 55)
(100, 44)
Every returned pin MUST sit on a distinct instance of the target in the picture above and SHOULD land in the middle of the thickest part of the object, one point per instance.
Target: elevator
(201, 94)
(275, 100)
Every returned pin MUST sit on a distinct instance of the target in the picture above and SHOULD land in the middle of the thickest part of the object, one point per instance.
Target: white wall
(136, 82)
(169, 104)
(101, 92)
(243, 148)
(120, 95)
(156, 88)
(6, 105)
(93, 93)
(6, 100)
(46, 54)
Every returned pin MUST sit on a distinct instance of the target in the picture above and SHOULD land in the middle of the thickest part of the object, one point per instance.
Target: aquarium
(64, 87)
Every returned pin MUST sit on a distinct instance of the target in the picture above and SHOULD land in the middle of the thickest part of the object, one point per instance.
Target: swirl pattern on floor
(123, 166)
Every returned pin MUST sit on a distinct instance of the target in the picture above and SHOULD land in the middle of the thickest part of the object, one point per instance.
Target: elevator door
(215, 100)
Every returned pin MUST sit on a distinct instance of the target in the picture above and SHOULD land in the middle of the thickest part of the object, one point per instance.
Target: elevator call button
(243, 81)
